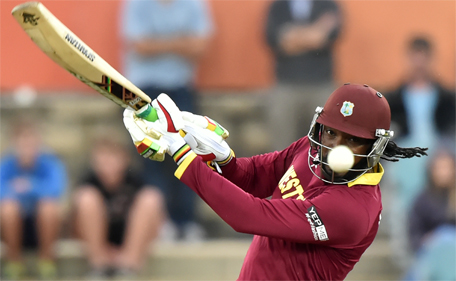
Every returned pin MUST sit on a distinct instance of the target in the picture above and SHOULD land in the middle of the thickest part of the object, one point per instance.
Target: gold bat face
(71, 53)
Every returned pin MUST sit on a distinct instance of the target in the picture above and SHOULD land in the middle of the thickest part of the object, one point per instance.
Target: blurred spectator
(436, 205)
(436, 259)
(301, 35)
(32, 180)
(421, 104)
(422, 113)
(117, 214)
(432, 221)
(164, 40)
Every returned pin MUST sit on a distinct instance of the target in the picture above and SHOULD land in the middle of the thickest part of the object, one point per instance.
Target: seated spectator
(117, 215)
(436, 259)
(32, 180)
(435, 206)
(432, 228)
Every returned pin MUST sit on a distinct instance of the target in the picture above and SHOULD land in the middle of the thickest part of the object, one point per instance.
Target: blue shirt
(47, 179)
(154, 19)
(411, 175)
(301, 9)
(437, 258)
(420, 107)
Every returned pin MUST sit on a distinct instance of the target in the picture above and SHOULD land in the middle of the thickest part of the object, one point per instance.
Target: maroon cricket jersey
(308, 230)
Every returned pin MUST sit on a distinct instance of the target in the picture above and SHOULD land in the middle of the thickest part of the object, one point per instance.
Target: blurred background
(234, 77)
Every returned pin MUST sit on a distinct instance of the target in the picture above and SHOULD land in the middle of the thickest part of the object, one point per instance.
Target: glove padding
(203, 135)
(148, 141)
(207, 138)
(153, 139)
(205, 122)
(165, 112)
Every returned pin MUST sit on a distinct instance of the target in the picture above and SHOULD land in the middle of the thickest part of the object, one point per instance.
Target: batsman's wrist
(227, 159)
(181, 153)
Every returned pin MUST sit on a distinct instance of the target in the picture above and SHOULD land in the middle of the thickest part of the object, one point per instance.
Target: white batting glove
(152, 139)
(205, 122)
(164, 111)
(148, 142)
(207, 138)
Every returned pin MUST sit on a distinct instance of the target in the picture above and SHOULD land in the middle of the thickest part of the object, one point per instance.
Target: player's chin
(329, 174)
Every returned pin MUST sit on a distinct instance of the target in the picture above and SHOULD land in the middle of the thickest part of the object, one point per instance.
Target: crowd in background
(423, 113)
(118, 210)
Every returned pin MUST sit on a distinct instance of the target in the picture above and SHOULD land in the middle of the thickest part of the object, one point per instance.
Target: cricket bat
(71, 53)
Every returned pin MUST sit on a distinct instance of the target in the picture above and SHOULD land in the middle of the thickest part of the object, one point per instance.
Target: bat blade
(71, 53)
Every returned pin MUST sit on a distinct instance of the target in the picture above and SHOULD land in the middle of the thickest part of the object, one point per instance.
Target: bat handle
(147, 113)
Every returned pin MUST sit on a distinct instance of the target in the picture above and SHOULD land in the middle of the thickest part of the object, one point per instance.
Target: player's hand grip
(147, 113)
(148, 141)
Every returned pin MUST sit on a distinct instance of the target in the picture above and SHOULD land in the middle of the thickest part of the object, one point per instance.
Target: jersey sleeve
(259, 175)
(343, 217)
(287, 219)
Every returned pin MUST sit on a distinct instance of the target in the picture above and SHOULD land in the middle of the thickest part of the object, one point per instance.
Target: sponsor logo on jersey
(78, 45)
(316, 224)
(347, 108)
(312, 227)
(290, 185)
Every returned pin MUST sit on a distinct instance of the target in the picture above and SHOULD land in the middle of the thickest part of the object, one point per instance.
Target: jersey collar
(369, 178)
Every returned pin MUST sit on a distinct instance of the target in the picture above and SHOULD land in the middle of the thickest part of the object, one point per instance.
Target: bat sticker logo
(30, 18)
(134, 101)
(78, 45)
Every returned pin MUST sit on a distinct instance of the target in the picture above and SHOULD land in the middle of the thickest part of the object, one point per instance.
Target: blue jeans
(180, 199)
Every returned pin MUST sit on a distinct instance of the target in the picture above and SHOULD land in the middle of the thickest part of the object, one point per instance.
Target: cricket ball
(340, 159)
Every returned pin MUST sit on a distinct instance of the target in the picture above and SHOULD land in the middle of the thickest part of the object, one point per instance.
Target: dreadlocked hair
(393, 152)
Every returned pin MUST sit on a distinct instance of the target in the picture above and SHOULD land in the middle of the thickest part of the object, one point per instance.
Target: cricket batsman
(324, 205)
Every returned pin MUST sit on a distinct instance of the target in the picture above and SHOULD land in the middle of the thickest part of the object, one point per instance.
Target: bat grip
(147, 113)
